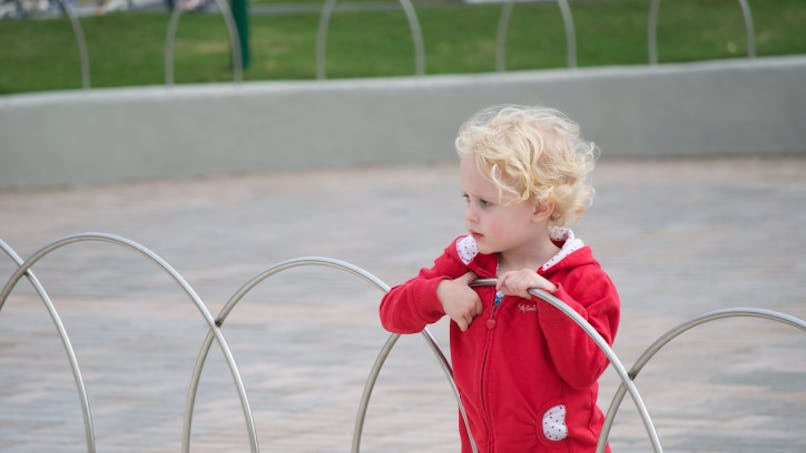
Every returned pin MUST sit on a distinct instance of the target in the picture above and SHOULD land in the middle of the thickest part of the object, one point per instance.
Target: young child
(527, 374)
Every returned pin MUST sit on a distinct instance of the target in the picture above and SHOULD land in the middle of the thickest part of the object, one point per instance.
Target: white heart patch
(554, 427)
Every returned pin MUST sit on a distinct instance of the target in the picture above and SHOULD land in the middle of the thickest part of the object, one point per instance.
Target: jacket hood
(573, 252)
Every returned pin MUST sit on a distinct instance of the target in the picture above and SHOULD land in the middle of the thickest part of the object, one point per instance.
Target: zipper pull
(499, 296)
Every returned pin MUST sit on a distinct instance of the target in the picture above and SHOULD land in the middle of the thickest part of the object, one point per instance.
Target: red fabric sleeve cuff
(430, 301)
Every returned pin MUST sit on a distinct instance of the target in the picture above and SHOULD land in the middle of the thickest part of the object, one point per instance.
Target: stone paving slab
(679, 237)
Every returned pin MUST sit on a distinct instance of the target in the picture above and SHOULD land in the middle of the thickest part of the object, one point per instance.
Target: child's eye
(479, 201)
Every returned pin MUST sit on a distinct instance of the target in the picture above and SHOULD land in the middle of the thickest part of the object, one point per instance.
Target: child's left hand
(518, 283)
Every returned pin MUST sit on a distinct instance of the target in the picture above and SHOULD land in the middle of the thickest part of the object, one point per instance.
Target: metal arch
(652, 30)
(664, 339)
(748, 27)
(324, 23)
(375, 371)
(503, 30)
(214, 329)
(234, 39)
(89, 430)
(376, 368)
(614, 360)
(605, 348)
(78, 31)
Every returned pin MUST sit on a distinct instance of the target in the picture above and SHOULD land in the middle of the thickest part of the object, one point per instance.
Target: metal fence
(25, 269)
(408, 8)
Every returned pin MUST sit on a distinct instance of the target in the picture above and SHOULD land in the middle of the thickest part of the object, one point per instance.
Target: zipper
(499, 296)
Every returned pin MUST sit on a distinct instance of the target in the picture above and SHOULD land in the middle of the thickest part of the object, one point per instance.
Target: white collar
(467, 249)
(570, 245)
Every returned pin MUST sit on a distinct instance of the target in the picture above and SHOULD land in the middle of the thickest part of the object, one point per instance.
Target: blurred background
(126, 39)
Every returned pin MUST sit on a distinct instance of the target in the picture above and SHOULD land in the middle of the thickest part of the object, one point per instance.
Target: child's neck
(532, 256)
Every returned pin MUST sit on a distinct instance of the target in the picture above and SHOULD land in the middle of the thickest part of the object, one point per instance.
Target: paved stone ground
(679, 237)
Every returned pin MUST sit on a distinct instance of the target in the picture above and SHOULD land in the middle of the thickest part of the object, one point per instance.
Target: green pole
(240, 15)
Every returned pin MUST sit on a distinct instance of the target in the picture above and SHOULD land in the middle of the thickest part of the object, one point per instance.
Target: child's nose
(470, 214)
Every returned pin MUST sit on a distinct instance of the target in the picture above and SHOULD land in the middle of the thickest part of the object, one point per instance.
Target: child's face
(498, 224)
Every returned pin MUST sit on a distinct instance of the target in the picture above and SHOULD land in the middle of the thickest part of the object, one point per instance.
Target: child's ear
(543, 210)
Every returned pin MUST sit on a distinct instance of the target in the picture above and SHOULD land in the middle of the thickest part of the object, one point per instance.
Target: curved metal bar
(230, 305)
(570, 33)
(89, 430)
(170, 40)
(416, 36)
(324, 23)
(664, 339)
(373, 377)
(503, 31)
(193, 389)
(321, 38)
(604, 347)
(235, 42)
(446, 368)
(374, 372)
(748, 28)
(652, 30)
(614, 360)
(501, 36)
(78, 31)
(214, 329)
(369, 386)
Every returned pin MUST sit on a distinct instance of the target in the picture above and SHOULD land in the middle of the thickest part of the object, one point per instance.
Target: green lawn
(128, 48)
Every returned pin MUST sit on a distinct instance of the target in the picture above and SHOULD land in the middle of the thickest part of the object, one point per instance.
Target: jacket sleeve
(411, 306)
(577, 358)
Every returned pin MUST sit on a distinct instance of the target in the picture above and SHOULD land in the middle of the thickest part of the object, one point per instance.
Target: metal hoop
(664, 339)
(604, 347)
(214, 329)
(86, 412)
(214, 333)
(324, 24)
(78, 32)
(652, 30)
(503, 30)
(374, 372)
(235, 42)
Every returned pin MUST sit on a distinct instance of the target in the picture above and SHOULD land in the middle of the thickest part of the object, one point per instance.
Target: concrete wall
(68, 138)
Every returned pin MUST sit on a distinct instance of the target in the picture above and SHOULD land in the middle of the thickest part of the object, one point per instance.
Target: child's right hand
(459, 301)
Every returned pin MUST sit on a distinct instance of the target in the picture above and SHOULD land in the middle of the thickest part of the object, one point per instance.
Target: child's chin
(484, 249)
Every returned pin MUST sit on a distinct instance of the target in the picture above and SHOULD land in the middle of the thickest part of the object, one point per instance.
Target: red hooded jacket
(526, 373)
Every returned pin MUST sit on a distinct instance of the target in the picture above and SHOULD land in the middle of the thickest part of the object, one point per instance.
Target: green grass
(128, 48)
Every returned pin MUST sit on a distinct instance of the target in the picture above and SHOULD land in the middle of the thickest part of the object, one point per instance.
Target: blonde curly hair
(532, 153)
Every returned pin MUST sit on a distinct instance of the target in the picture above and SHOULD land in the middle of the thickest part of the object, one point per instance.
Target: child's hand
(518, 283)
(460, 302)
